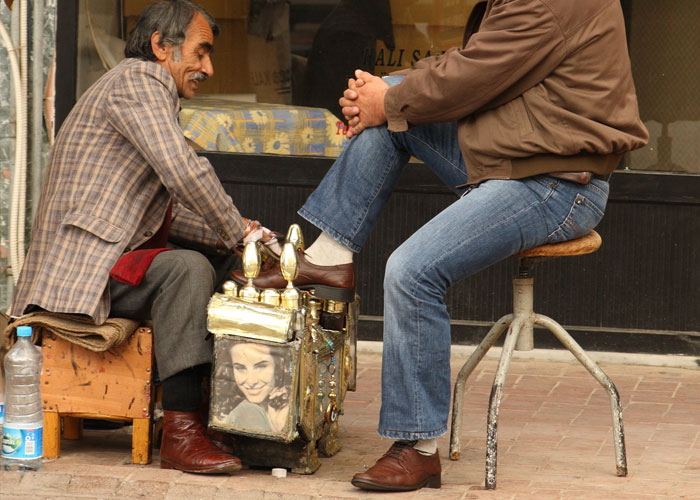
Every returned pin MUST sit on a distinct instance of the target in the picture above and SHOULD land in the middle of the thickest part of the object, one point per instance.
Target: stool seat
(588, 243)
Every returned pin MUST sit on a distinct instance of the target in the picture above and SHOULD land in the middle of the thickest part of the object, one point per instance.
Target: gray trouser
(174, 294)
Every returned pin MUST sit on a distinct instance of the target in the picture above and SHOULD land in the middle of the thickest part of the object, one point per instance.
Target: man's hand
(254, 231)
(363, 102)
(350, 110)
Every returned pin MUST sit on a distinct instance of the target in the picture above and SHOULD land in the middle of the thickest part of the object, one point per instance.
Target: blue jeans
(485, 225)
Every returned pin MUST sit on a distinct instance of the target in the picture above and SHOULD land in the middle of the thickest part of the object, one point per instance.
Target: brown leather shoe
(328, 282)
(401, 468)
(186, 446)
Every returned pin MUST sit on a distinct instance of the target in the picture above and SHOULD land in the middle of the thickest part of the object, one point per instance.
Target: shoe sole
(363, 484)
(330, 292)
(324, 292)
(226, 469)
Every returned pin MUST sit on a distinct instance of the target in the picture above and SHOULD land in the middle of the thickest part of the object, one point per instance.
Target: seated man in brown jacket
(524, 122)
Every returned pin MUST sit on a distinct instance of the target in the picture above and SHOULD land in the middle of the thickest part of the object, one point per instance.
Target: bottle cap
(24, 331)
(279, 472)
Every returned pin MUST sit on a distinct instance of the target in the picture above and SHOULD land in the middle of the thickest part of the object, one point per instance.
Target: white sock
(426, 446)
(326, 251)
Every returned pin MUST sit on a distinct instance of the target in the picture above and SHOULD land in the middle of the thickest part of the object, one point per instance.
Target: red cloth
(132, 266)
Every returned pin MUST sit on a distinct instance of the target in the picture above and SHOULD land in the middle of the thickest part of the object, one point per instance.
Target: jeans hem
(328, 230)
(412, 436)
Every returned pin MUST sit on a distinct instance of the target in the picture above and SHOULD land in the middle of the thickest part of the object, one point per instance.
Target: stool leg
(466, 370)
(141, 441)
(72, 427)
(593, 368)
(523, 299)
(52, 434)
(495, 400)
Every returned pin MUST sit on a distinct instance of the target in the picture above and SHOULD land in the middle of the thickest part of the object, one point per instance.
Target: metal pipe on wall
(19, 145)
(21, 176)
(36, 168)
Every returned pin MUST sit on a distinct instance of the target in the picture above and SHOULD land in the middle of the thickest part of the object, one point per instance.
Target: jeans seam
(397, 434)
(361, 220)
(592, 185)
(417, 368)
(569, 219)
(551, 185)
(438, 153)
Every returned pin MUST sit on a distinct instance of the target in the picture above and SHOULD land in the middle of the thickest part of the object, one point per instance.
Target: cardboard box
(431, 12)
(422, 28)
(230, 60)
(243, 63)
(413, 44)
(220, 9)
(230, 56)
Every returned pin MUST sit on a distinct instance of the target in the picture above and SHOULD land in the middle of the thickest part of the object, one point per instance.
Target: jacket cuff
(395, 120)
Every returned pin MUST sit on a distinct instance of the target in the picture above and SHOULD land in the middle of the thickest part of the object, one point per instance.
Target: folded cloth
(76, 329)
(131, 267)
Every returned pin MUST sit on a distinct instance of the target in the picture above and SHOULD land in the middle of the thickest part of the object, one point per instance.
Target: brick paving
(555, 442)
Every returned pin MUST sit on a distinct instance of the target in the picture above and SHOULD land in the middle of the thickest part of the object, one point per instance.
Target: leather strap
(580, 177)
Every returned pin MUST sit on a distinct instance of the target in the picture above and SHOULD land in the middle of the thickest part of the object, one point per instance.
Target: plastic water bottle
(22, 431)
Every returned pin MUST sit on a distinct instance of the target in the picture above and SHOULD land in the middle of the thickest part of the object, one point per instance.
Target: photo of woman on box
(261, 388)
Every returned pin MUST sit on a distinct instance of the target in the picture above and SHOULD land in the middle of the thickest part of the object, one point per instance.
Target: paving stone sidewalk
(555, 442)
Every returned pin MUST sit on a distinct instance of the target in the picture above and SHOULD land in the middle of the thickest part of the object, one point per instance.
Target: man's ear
(158, 49)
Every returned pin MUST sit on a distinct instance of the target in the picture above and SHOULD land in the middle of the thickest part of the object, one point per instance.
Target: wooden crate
(115, 384)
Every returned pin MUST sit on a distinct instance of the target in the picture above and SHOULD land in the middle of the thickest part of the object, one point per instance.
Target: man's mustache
(198, 76)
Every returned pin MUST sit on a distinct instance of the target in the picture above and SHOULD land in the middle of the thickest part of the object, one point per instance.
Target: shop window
(664, 42)
(282, 65)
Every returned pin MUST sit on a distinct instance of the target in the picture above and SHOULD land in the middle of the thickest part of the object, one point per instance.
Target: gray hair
(170, 18)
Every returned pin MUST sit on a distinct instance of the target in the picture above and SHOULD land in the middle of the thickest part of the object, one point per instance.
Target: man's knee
(188, 264)
(409, 271)
(371, 137)
(398, 271)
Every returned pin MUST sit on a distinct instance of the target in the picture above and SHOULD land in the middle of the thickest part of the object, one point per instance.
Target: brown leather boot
(187, 447)
(222, 440)
(401, 468)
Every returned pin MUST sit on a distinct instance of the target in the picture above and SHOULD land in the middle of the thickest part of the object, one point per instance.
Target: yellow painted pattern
(221, 123)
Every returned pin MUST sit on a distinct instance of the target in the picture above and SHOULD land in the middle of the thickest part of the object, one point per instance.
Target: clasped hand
(363, 102)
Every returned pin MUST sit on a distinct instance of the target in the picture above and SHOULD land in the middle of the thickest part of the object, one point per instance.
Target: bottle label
(2, 413)
(21, 441)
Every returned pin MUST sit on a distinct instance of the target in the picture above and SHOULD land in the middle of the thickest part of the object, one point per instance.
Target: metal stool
(117, 384)
(520, 326)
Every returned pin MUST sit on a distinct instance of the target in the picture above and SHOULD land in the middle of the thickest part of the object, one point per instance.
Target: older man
(525, 122)
(121, 182)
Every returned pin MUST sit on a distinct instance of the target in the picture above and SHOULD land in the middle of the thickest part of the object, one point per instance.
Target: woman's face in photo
(253, 370)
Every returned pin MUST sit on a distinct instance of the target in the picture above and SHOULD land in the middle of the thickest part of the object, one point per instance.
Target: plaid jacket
(118, 159)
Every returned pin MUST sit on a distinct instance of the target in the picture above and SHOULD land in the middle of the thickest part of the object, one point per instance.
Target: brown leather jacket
(542, 86)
